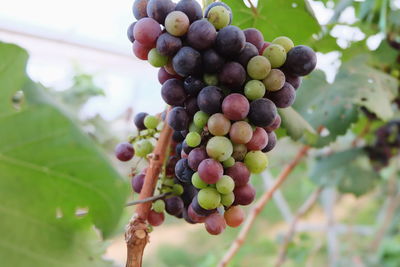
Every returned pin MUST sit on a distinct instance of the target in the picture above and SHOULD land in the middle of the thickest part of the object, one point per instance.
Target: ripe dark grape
(174, 205)
(301, 60)
(210, 171)
(147, 31)
(194, 216)
(187, 61)
(275, 125)
(155, 218)
(212, 61)
(186, 148)
(284, 97)
(196, 156)
(164, 76)
(232, 75)
(230, 41)
(178, 149)
(248, 52)
(139, 120)
(137, 182)
(124, 151)
(239, 173)
(215, 224)
(168, 45)
(271, 142)
(139, 9)
(159, 9)
(141, 51)
(193, 85)
(255, 37)
(244, 195)
(130, 32)
(235, 107)
(262, 112)
(191, 8)
(199, 210)
(191, 106)
(294, 80)
(178, 119)
(209, 7)
(234, 216)
(177, 136)
(183, 171)
(210, 100)
(170, 167)
(173, 92)
(201, 35)
(259, 139)
(189, 192)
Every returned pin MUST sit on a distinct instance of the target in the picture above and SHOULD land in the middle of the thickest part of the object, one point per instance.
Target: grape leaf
(295, 125)
(49, 169)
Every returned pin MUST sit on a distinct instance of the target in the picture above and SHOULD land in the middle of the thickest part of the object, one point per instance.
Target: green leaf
(295, 125)
(49, 169)
(272, 17)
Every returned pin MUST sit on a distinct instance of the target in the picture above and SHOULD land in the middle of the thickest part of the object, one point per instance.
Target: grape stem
(253, 8)
(258, 207)
(137, 233)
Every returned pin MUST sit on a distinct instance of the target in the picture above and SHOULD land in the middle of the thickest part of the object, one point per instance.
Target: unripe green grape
(151, 122)
(194, 128)
(177, 189)
(285, 42)
(256, 161)
(276, 55)
(200, 119)
(169, 182)
(258, 67)
(156, 59)
(143, 148)
(209, 198)
(227, 199)
(254, 89)
(197, 182)
(177, 23)
(210, 79)
(193, 139)
(158, 206)
(275, 80)
(220, 148)
(225, 185)
(229, 162)
(219, 16)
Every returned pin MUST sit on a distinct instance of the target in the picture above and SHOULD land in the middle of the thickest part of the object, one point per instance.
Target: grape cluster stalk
(224, 86)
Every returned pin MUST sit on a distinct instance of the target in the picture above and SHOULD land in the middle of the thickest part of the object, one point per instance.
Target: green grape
(219, 16)
(285, 42)
(275, 80)
(200, 119)
(169, 182)
(229, 162)
(220, 148)
(166, 190)
(210, 79)
(258, 67)
(225, 185)
(197, 182)
(254, 89)
(158, 206)
(143, 148)
(194, 128)
(193, 139)
(177, 189)
(228, 199)
(256, 161)
(239, 152)
(276, 55)
(151, 122)
(177, 23)
(209, 198)
(156, 59)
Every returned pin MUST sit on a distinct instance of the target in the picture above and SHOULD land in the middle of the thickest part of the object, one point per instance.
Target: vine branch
(260, 204)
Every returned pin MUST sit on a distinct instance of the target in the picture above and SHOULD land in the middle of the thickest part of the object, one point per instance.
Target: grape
(225, 185)
(194, 128)
(258, 67)
(155, 218)
(130, 32)
(170, 69)
(198, 209)
(230, 41)
(168, 45)
(159, 9)
(141, 51)
(173, 92)
(271, 142)
(212, 61)
(235, 107)
(256, 161)
(189, 193)
(218, 124)
(200, 119)
(210, 79)
(239, 173)
(174, 205)
(283, 98)
(164, 76)
(229, 162)
(301, 60)
(178, 149)
(186, 148)
(275, 125)
(232, 75)
(234, 216)
(201, 35)
(294, 80)
(259, 139)
(209, 7)
(139, 9)
(186, 216)
(262, 112)
(215, 224)
(151, 122)
(254, 89)
(139, 120)
(219, 148)
(255, 37)
(193, 139)
(285, 42)
(170, 168)
(143, 148)
(219, 16)
(210, 99)
(193, 85)
(156, 59)
(183, 171)
(241, 132)
(227, 199)
(275, 80)
(158, 206)
(177, 23)
(248, 52)
(177, 137)
(210, 171)
(178, 119)
(147, 31)
(187, 61)
(276, 55)
(244, 195)
(239, 152)
(137, 183)
(191, 8)
(197, 182)
(265, 45)
(197, 218)
(177, 189)
(209, 198)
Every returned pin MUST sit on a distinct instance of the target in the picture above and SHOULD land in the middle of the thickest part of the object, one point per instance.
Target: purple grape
(284, 97)
(249, 51)
(187, 61)
(275, 125)
(193, 85)
(230, 41)
(137, 182)
(131, 37)
(191, 8)
(201, 35)
(177, 137)
(124, 151)
(212, 61)
(232, 75)
(210, 100)
(255, 37)
(244, 195)
(294, 80)
(159, 9)
(139, 120)
(139, 9)
(170, 167)
(271, 142)
(174, 205)
(178, 119)
(191, 105)
(168, 45)
(173, 92)
(239, 173)
(195, 157)
(301, 60)
(199, 210)
(189, 192)
(235, 107)
(187, 149)
(183, 171)
(262, 112)
(178, 149)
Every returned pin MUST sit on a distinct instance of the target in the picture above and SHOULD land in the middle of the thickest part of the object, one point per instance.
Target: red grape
(210, 171)
(235, 107)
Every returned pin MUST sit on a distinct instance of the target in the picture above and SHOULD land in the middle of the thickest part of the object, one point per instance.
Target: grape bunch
(224, 86)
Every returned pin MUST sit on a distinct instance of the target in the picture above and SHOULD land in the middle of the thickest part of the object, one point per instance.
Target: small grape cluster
(224, 86)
